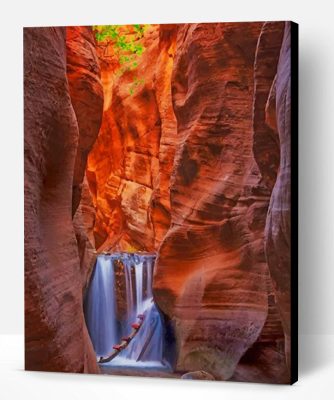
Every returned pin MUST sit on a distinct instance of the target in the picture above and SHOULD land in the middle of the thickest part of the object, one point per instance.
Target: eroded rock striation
(83, 73)
(86, 92)
(130, 165)
(278, 226)
(189, 158)
(56, 337)
(185, 166)
(211, 272)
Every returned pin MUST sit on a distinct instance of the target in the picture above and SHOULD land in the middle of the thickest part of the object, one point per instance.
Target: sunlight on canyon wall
(182, 153)
(185, 165)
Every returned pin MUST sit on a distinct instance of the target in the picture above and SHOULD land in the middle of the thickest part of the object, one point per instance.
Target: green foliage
(127, 45)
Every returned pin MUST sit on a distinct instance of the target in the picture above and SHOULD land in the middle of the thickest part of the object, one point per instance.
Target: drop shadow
(314, 353)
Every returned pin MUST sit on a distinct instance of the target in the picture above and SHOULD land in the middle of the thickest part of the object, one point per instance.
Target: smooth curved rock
(278, 227)
(266, 146)
(160, 203)
(211, 274)
(56, 337)
(265, 361)
(125, 168)
(83, 222)
(83, 73)
(86, 91)
(185, 164)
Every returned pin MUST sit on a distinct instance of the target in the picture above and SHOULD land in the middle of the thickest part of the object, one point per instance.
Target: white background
(316, 147)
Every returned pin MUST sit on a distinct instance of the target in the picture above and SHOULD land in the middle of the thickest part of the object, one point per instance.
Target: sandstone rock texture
(56, 337)
(188, 155)
(130, 165)
(278, 226)
(185, 166)
(211, 273)
(83, 73)
(86, 92)
(265, 360)
(83, 222)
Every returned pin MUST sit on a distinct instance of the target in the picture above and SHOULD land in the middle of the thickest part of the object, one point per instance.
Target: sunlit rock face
(56, 337)
(128, 168)
(211, 276)
(187, 156)
(86, 91)
(185, 165)
(160, 204)
(83, 73)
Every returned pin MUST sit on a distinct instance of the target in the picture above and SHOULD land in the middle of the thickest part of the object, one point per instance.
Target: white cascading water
(146, 348)
(139, 269)
(100, 303)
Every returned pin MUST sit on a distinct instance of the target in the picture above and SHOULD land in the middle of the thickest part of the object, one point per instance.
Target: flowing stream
(106, 327)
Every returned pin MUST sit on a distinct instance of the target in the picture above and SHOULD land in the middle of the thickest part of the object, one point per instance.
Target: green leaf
(126, 42)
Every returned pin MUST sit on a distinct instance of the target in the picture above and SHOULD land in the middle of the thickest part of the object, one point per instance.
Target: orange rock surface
(83, 72)
(189, 158)
(86, 91)
(211, 272)
(185, 166)
(127, 172)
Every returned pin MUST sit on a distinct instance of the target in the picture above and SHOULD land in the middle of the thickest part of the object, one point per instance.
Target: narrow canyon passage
(122, 319)
(155, 204)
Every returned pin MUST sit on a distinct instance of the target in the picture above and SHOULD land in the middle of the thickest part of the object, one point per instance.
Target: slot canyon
(178, 146)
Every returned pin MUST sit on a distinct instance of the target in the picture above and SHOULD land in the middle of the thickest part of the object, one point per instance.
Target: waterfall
(149, 278)
(105, 327)
(139, 285)
(127, 262)
(101, 305)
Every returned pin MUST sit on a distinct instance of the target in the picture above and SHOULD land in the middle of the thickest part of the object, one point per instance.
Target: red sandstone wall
(129, 167)
(86, 91)
(56, 337)
(211, 272)
(186, 165)
(278, 228)
(83, 73)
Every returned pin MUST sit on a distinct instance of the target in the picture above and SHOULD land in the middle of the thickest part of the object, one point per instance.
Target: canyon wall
(186, 154)
(130, 164)
(265, 360)
(278, 227)
(211, 275)
(56, 337)
(185, 164)
(86, 92)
